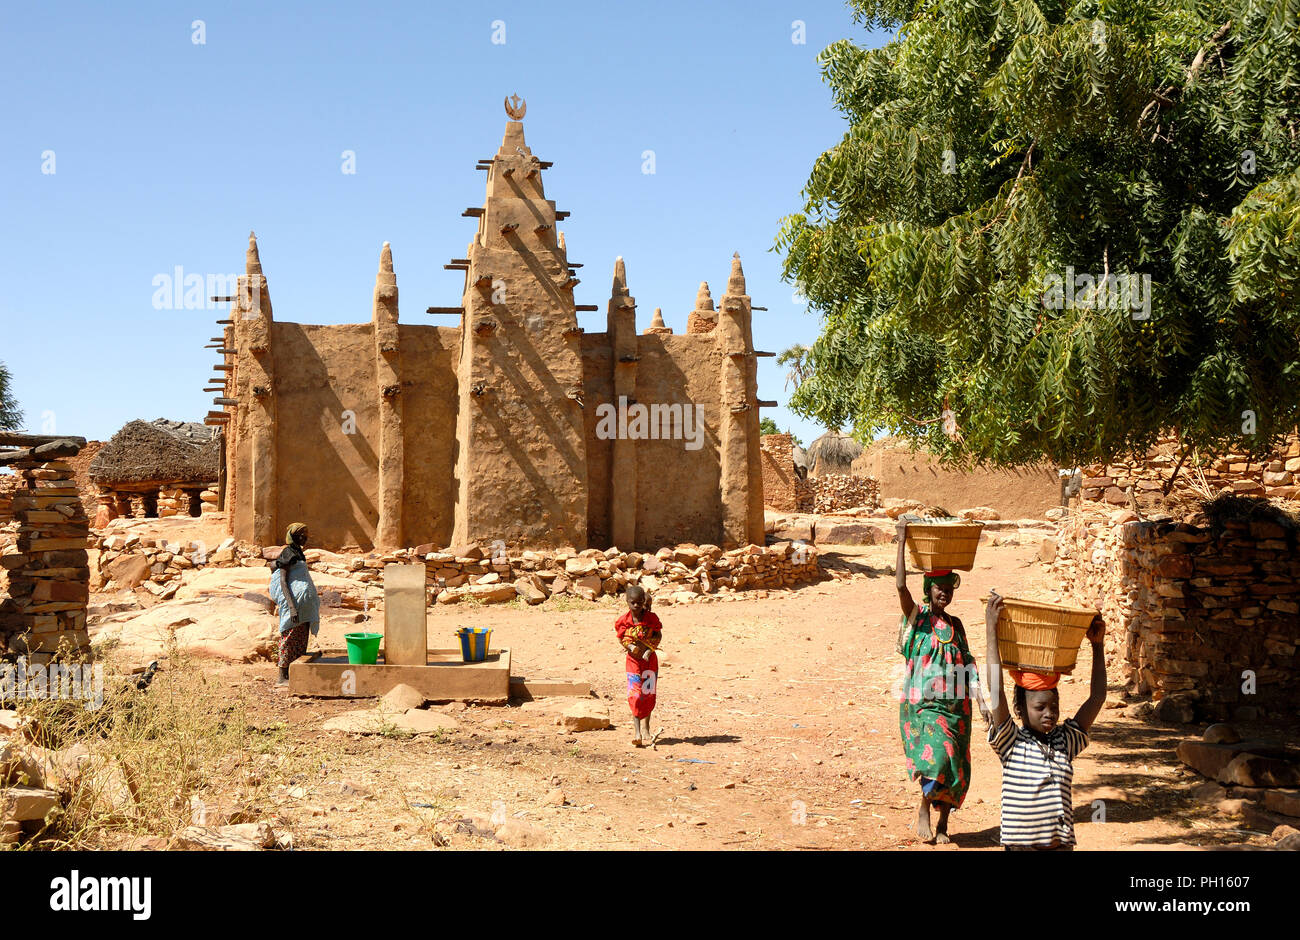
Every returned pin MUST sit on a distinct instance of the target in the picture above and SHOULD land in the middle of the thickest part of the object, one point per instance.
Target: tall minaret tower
(741, 471)
(388, 529)
(253, 454)
(521, 467)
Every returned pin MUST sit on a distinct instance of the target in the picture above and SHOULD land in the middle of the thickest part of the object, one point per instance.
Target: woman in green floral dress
(934, 713)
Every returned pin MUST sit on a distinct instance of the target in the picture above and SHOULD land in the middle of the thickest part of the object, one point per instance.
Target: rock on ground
(521, 835)
(228, 628)
(401, 698)
(586, 715)
(244, 837)
(1254, 770)
(25, 804)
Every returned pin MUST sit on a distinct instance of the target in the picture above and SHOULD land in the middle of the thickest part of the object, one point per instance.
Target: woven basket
(936, 545)
(1041, 637)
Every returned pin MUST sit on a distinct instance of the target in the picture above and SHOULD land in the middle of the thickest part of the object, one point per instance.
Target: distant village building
(509, 425)
(156, 469)
(833, 452)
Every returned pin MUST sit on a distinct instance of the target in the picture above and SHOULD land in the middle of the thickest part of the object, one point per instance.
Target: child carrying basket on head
(1038, 754)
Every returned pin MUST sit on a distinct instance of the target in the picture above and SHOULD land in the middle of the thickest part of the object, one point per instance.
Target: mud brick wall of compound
(1190, 608)
(48, 568)
(781, 485)
(486, 431)
(1015, 494)
(1278, 475)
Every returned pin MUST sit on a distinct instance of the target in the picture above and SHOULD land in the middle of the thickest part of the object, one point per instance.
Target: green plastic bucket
(363, 648)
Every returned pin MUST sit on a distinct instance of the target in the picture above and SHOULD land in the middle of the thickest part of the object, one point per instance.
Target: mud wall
(326, 432)
(679, 490)
(597, 387)
(1015, 494)
(429, 387)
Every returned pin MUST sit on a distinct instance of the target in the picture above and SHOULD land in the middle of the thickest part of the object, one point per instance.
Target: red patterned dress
(642, 674)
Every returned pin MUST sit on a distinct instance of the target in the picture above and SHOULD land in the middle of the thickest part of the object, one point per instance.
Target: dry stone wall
(1277, 476)
(1207, 613)
(784, 490)
(48, 570)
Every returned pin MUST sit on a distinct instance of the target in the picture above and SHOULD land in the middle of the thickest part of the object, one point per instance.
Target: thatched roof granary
(833, 452)
(147, 453)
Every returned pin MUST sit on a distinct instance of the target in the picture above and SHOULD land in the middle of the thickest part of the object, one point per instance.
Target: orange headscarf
(1034, 681)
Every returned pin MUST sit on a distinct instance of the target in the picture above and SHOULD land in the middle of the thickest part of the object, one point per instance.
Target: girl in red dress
(639, 631)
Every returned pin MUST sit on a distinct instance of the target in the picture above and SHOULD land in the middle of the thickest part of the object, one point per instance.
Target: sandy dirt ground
(780, 731)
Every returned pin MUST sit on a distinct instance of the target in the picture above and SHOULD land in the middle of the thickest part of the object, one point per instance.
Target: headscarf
(945, 577)
(1034, 681)
(293, 530)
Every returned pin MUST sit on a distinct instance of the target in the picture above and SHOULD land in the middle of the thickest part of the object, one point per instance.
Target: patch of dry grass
(150, 762)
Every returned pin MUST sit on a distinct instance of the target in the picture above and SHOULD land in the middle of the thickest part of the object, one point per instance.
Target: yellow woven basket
(1039, 636)
(934, 545)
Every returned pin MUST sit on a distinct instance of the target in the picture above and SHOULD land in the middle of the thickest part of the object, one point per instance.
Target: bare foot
(923, 821)
(941, 829)
(637, 742)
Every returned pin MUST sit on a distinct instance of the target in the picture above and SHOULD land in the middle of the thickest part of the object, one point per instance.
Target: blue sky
(166, 152)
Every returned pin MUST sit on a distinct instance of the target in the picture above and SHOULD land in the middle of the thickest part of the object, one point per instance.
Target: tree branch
(1165, 97)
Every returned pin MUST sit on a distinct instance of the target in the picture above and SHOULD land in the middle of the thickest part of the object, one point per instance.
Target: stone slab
(529, 689)
(443, 677)
(406, 629)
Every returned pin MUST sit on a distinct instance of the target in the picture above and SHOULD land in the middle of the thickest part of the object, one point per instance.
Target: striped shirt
(1037, 773)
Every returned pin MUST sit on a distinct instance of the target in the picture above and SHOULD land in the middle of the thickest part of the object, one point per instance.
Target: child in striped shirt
(1038, 755)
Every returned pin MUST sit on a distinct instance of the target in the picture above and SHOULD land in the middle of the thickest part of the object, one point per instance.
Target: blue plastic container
(474, 643)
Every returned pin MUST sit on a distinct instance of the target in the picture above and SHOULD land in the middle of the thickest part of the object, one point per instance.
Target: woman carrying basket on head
(934, 713)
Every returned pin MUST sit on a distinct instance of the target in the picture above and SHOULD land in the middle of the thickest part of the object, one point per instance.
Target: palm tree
(794, 358)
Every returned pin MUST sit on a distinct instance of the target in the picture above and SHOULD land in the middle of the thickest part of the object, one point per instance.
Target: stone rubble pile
(129, 560)
(48, 568)
(680, 574)
(9, 484)
(836, 491)
(674, 575)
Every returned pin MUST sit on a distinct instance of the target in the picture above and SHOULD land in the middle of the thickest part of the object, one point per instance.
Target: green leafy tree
(1010, 167)
(11, 417)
